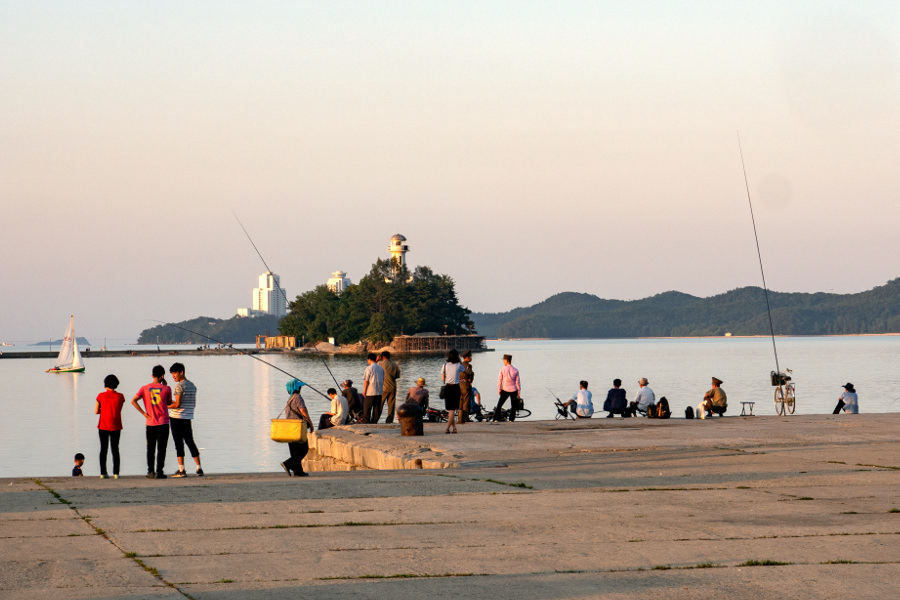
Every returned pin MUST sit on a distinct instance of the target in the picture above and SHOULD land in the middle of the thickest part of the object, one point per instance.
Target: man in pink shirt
(157, 397)
(508, 386)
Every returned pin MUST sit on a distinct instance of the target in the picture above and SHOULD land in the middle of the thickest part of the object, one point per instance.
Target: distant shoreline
(691, 337)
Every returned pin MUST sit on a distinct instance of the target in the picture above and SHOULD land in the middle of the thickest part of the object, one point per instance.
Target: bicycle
(785, 393)
(521, 413)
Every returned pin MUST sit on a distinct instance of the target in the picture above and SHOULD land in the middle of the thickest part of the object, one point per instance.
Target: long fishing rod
(759, 255)
(281, 291)
(212, 339)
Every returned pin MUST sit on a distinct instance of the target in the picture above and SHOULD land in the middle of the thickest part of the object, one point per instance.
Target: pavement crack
(98, 531)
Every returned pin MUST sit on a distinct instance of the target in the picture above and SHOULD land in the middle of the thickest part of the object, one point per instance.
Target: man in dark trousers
(391, 373)
(465, 387)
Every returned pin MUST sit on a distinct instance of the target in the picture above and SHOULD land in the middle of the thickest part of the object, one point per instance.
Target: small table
(747, 411)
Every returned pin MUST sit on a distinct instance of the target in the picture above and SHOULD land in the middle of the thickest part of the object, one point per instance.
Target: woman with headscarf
(296, 409)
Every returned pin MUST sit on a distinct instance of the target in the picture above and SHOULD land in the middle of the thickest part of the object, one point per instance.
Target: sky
(523, 148)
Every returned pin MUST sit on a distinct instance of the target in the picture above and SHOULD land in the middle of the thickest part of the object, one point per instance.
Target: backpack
(662, 409)
(689, 413)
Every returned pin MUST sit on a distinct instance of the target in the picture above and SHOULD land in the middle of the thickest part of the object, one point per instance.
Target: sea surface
(48, 417)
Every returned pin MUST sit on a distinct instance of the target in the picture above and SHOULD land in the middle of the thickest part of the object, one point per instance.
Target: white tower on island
(398, 249)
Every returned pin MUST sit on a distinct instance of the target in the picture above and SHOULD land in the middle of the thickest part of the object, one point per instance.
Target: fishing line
(212, 339)
(281, 291)
(759, 254)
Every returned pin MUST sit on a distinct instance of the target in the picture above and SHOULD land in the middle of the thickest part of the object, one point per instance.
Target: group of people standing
(164, 409)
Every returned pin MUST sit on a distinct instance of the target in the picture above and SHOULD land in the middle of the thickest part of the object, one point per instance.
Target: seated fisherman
(714, 401)
(616, 401)
(339, 411)
(581, 403)
(418, 394)
(644, 399)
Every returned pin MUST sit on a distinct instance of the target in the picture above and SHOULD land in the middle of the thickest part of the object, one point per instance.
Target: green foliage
(237, 330)
(673, 314)
(382, 305)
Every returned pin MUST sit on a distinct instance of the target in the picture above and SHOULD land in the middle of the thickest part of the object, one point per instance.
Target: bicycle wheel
(789, 401)
(522, 413)
(779, 401)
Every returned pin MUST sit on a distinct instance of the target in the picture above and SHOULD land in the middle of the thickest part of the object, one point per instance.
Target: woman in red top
(109, 407)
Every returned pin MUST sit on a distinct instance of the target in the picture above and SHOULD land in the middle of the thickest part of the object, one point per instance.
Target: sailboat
(69, 359)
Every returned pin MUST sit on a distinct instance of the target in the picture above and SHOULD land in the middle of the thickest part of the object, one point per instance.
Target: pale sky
(524, 148)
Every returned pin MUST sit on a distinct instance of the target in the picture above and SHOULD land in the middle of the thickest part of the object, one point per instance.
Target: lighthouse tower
(398, 249)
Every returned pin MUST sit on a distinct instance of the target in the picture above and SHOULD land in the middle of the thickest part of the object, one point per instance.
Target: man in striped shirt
(181, 412)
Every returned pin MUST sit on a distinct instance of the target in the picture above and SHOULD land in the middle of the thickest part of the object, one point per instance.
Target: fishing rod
(759, 255)
(281, 291)
(212, 339)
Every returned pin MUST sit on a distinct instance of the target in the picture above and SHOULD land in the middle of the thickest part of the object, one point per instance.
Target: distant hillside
(82, 342)
(236, 330)
(673, 314)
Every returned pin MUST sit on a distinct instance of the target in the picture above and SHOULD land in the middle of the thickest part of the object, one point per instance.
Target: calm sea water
(49, 417)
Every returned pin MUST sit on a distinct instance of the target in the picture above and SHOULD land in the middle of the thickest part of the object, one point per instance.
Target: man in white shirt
(645, 398)
(584, 408)
(373, 388)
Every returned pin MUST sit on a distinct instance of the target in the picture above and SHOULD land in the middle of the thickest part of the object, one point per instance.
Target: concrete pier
(757, 507)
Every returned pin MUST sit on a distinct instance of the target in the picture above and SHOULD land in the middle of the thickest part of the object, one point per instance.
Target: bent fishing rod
(265, 362)
(281, 291)
(759, 255)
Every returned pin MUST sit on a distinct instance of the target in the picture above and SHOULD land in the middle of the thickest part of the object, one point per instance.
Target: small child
(79, 460)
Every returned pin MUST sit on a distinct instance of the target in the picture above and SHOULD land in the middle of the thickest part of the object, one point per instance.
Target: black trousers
(157, 440)
(183, 433)
(512, 405)
(298, 451)
(371, 409)
(109, 440)
(325, 421)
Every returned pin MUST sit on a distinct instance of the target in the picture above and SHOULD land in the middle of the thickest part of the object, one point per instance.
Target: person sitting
(339, 413)
(715, 401)
(418, 394)
(581, 404)
(848, 402)
(354, 400)
(644, 400)
(616, 400)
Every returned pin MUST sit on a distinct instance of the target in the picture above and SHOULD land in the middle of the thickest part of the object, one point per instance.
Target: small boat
(69, 359)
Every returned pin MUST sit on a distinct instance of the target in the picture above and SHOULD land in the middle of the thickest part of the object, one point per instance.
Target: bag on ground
(689, 412)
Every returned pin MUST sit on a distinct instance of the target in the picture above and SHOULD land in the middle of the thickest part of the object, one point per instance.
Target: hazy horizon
(523, 148)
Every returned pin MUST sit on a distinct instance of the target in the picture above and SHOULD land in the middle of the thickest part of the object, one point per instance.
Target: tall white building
(338, 282)
(268, 299)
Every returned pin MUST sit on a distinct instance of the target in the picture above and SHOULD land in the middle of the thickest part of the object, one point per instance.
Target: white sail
(66, 354)
(69, 358)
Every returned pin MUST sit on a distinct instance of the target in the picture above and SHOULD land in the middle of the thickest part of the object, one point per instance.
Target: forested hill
(236, 330)
(673, 314)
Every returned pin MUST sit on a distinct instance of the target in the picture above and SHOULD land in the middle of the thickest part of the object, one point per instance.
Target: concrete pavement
(800, 507)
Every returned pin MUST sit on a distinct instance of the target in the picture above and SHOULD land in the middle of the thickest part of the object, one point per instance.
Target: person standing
(157, 397)
(508, 386)
(391, 373)
(450, 375)
(848, 402)
(109, 406)
(181, 414)
(644, 399)
(373, 388)
(296, 409)
(714, 401)
(465, 387)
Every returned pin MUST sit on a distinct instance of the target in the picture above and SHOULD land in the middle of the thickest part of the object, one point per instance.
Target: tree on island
(389, 301)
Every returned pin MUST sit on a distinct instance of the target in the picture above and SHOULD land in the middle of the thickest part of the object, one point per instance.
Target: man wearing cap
(644, 399)
(373, 388)
(714, 401)
(465, 387)
(418, 394)
(509, 386)
(353, 402)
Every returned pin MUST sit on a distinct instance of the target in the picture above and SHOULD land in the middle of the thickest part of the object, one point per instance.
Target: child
(79, 460)
(109, 407)
(157, 397)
